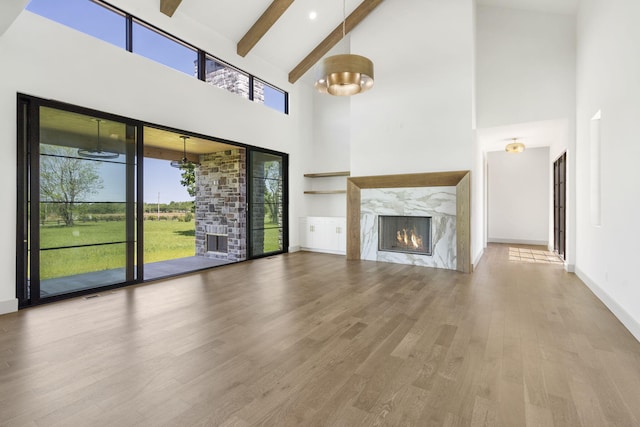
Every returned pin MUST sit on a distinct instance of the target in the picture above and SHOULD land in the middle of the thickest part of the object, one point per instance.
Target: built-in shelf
(326, 174)
(326, 192)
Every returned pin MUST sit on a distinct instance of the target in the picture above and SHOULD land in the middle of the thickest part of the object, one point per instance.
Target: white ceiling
(294, 35)
(534, 134)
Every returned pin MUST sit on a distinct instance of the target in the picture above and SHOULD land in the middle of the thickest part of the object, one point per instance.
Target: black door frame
(28, 241)
(285, 203)
(560, 205)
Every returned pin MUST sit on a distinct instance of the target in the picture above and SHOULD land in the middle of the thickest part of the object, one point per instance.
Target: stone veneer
(221, 203)
(439, 203)
(232, 80)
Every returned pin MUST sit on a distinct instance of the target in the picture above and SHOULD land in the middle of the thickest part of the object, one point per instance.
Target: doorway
(559, 205)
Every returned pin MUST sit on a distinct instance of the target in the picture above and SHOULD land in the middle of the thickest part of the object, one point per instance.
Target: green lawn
(163, 240)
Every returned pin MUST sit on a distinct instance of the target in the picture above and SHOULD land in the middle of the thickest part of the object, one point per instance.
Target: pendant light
(97, 152)
(183, 162)
(514, 146)
(346, 74)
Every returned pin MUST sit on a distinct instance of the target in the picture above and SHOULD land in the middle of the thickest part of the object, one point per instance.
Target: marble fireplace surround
(459, 179)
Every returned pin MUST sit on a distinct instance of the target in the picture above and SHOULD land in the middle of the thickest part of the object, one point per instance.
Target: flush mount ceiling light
(514, 146)
(97, 152)
(347, 74)
(183, 162)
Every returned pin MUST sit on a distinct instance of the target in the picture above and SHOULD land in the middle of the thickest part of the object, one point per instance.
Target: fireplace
(406, 234)
(217, 243)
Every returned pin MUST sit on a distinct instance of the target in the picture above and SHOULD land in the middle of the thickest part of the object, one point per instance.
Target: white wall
(418, 116)
(525, 66)
(9, 10)
(421, 122)
(329, 152)
(518, 196)
(48, 60)
(608, 69)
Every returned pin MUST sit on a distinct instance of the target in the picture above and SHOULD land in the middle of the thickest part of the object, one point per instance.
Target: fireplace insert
(407, 234)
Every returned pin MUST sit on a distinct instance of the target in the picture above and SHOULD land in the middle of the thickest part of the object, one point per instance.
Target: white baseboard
(569, 268)
(324, 251)
(8, 306)
(476, 261)
(519, 241)
(295, 248)
(623, 316)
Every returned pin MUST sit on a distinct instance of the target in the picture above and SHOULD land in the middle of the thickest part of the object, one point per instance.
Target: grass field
(163, 240)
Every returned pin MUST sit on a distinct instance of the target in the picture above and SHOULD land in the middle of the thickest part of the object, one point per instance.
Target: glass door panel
(86, 199)
(267, 207)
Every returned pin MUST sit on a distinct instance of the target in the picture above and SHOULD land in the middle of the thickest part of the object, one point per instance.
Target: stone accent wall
(233, 81)
(221, 203)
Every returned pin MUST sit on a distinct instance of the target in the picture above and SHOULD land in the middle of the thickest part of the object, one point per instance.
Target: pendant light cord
(344, 18)
(98, 144)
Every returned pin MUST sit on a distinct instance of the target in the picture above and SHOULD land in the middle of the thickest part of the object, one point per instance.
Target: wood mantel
(460, 179)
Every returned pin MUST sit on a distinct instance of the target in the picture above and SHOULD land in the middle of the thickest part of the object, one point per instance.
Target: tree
(65, 180)
(273, 189)
(188, 178)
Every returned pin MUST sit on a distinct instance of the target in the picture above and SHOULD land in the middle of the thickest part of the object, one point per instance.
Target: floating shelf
(326, 192)
(326, 174)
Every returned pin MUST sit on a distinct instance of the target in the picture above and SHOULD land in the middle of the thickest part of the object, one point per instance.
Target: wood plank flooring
(309, 339)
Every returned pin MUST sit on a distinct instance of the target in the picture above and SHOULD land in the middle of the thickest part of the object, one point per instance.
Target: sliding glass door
(82, 222)
(268, 205)
(81, 203)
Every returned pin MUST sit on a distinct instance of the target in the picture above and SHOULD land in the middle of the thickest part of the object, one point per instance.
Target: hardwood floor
(310, 339)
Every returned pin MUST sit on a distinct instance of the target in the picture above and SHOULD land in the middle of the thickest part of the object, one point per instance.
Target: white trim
(569, 268)
(324, 251)
(295, 248)
(623, 315)
(477, 260)
(9, 306)
(519, 241)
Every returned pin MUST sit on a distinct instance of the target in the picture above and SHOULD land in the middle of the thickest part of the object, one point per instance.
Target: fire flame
(409, 239)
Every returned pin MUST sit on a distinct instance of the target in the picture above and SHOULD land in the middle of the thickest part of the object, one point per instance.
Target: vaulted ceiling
(281, 31)
(284, 33)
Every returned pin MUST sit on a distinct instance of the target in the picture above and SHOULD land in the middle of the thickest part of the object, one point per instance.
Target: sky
(160, 177)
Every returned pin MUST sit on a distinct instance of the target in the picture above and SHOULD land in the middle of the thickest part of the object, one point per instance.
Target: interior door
(559, 204)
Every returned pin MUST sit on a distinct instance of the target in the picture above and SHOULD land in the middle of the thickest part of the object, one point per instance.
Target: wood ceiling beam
(269, 17)
(168, 7)
(357, 16)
